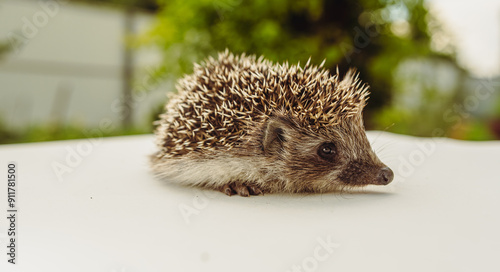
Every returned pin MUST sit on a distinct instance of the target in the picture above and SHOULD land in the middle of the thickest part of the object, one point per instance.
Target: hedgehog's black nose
(385, 176)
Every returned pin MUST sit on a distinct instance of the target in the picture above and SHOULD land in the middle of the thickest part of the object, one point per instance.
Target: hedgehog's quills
(246, 126)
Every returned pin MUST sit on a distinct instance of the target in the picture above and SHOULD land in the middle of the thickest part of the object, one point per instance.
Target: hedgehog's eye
(327, 151)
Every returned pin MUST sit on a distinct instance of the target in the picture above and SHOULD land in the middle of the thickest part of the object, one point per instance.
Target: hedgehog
(247, 126)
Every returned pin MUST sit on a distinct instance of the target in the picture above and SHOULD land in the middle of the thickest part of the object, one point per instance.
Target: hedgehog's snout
(361, 173)
(385, 176)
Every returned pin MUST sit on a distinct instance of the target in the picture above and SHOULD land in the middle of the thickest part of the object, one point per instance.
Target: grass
(51, 132)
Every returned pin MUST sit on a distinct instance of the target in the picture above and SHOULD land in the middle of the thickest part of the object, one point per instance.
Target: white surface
(441, 213)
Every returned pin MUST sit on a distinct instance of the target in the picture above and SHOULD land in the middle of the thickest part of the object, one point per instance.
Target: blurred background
(78, 69)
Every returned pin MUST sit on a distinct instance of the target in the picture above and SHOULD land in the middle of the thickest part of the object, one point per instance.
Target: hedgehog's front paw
(241, 189)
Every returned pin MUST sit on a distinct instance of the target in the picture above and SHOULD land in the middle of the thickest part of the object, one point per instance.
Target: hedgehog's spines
(224, 95)
(322, 63)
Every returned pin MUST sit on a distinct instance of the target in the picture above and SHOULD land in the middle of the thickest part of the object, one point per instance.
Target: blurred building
(67, 64)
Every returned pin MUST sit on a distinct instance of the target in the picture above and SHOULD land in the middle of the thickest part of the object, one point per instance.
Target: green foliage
(478, 131)
(376, 37)
(51, 132)
(347, 33)
(422, 101)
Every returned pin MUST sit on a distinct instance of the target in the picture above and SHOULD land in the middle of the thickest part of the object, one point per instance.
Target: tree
(373, 36)
(147, 5)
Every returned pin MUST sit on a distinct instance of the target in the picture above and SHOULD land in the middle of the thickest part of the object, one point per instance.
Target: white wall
(73, 48)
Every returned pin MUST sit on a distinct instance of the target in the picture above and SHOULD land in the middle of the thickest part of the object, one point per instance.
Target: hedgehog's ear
(274, 134)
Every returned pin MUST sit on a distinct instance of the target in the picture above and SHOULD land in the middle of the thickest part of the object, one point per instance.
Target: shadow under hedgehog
(247, 126)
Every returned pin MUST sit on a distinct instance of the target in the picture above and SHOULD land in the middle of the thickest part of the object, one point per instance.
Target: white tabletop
(92, 205)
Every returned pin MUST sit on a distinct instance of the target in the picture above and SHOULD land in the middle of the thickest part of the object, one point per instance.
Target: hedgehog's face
(336, 158)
